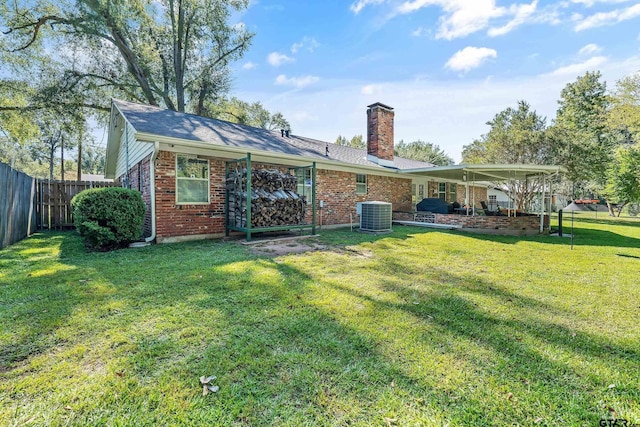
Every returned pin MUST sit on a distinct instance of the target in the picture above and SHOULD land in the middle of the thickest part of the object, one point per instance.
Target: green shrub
(108, 218)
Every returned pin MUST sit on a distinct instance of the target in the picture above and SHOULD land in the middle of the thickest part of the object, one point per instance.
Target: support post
(226, 200)
(560, 222)
(466, 192)
(313, 198)
(248, 197)
(542, 206)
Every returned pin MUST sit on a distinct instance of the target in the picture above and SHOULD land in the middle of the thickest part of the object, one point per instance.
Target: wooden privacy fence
(53, 202)
(17, 216)
(28, 204)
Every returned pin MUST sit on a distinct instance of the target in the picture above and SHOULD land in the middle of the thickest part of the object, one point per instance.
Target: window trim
(360, 184)
(453, 191)
(306, 183)
(442, 194)
(208, 179)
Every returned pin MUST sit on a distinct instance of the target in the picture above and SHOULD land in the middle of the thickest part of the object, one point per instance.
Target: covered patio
(475, 216)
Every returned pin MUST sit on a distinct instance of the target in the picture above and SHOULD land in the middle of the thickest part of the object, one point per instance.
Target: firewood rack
(239, 197)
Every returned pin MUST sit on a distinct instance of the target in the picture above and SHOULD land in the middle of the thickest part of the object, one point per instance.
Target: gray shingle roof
(168, 123)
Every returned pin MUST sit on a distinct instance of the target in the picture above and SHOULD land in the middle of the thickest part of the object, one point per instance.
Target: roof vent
(282, 133)
(286, 132)
(326, 150)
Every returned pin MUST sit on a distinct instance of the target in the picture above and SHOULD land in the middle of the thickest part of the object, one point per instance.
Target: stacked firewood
(274, 200)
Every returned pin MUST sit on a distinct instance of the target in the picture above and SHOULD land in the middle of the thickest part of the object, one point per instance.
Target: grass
(418, 327)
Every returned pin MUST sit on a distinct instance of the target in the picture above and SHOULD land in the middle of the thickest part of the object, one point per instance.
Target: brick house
(177, 161)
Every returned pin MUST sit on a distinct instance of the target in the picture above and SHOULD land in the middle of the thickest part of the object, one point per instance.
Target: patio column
(466, 191)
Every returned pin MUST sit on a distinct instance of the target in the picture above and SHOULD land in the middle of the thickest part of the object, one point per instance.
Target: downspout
(152, 189)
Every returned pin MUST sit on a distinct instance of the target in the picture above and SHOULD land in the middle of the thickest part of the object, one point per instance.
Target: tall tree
(581, 138)
(624, 115)
(424, 152)
(167, 52)
(623, 183)
(517, 135)
(357, 141)
(250, 114)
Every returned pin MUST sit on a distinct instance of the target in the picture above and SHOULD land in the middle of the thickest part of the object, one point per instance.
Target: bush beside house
(108, 218)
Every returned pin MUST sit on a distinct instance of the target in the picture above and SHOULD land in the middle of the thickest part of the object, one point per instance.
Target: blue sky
(446, 66)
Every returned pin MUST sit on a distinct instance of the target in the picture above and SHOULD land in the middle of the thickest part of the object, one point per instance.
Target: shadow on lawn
(36, 301)
(520, 344)
(582, 237)
(280, 357)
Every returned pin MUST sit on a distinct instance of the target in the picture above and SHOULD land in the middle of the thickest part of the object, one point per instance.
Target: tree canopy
(516, 135)
(581, 138)
(168, 52)
(245, 113)
(424, 152)
(357, 141)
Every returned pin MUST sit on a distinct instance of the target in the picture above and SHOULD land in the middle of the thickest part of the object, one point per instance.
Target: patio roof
(485, 172)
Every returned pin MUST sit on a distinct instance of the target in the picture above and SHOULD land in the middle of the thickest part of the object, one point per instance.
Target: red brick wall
(476, 194)
(528, 222)
(380, 132)
(338, 191)
(187, 220)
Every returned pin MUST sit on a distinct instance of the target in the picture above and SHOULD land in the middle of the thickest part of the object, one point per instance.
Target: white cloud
(309, 43)
(461, 17)
(589, 49)
(419, 32)
(357, 6)
(276, 59)
(470, 57)
(589, 3)
(608, 18)
(297, 82)
(521, 14)
(248, 65)
(581, 67)
(371, 89)
(447, 104)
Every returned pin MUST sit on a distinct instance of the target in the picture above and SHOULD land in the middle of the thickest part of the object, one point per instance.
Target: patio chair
(485, 208)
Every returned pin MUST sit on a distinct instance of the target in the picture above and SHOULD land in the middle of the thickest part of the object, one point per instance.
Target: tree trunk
(52, 153)
(62, 158)
(178, 52)
(79, 175)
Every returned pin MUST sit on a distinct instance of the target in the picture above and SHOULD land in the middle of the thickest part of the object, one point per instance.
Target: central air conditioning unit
(375, 216)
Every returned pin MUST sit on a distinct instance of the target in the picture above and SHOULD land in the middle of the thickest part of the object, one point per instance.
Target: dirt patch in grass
(276, 248)
(286, 247)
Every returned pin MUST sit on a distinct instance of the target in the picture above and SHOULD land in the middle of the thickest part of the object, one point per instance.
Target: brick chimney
(380, 134)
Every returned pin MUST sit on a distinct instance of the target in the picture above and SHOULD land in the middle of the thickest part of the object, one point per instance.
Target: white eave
(485, 172)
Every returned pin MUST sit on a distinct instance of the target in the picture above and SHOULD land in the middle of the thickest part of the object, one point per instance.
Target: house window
(192, 183)
(442, 191)
(452, 193)
(304, 181)
(493, 202)
(361, 184)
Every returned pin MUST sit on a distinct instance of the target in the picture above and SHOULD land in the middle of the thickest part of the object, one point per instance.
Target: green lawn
(418, 327)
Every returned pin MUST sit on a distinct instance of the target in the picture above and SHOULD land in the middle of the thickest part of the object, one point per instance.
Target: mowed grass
(417, 327)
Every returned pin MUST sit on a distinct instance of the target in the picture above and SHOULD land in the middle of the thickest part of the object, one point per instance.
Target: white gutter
(152, 189)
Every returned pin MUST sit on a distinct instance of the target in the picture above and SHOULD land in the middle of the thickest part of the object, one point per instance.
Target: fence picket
(28, 204)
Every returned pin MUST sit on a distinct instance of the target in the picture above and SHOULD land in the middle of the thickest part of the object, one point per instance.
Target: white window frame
(304, 187)
(442, 194)
(359, 185)
(208, 179)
